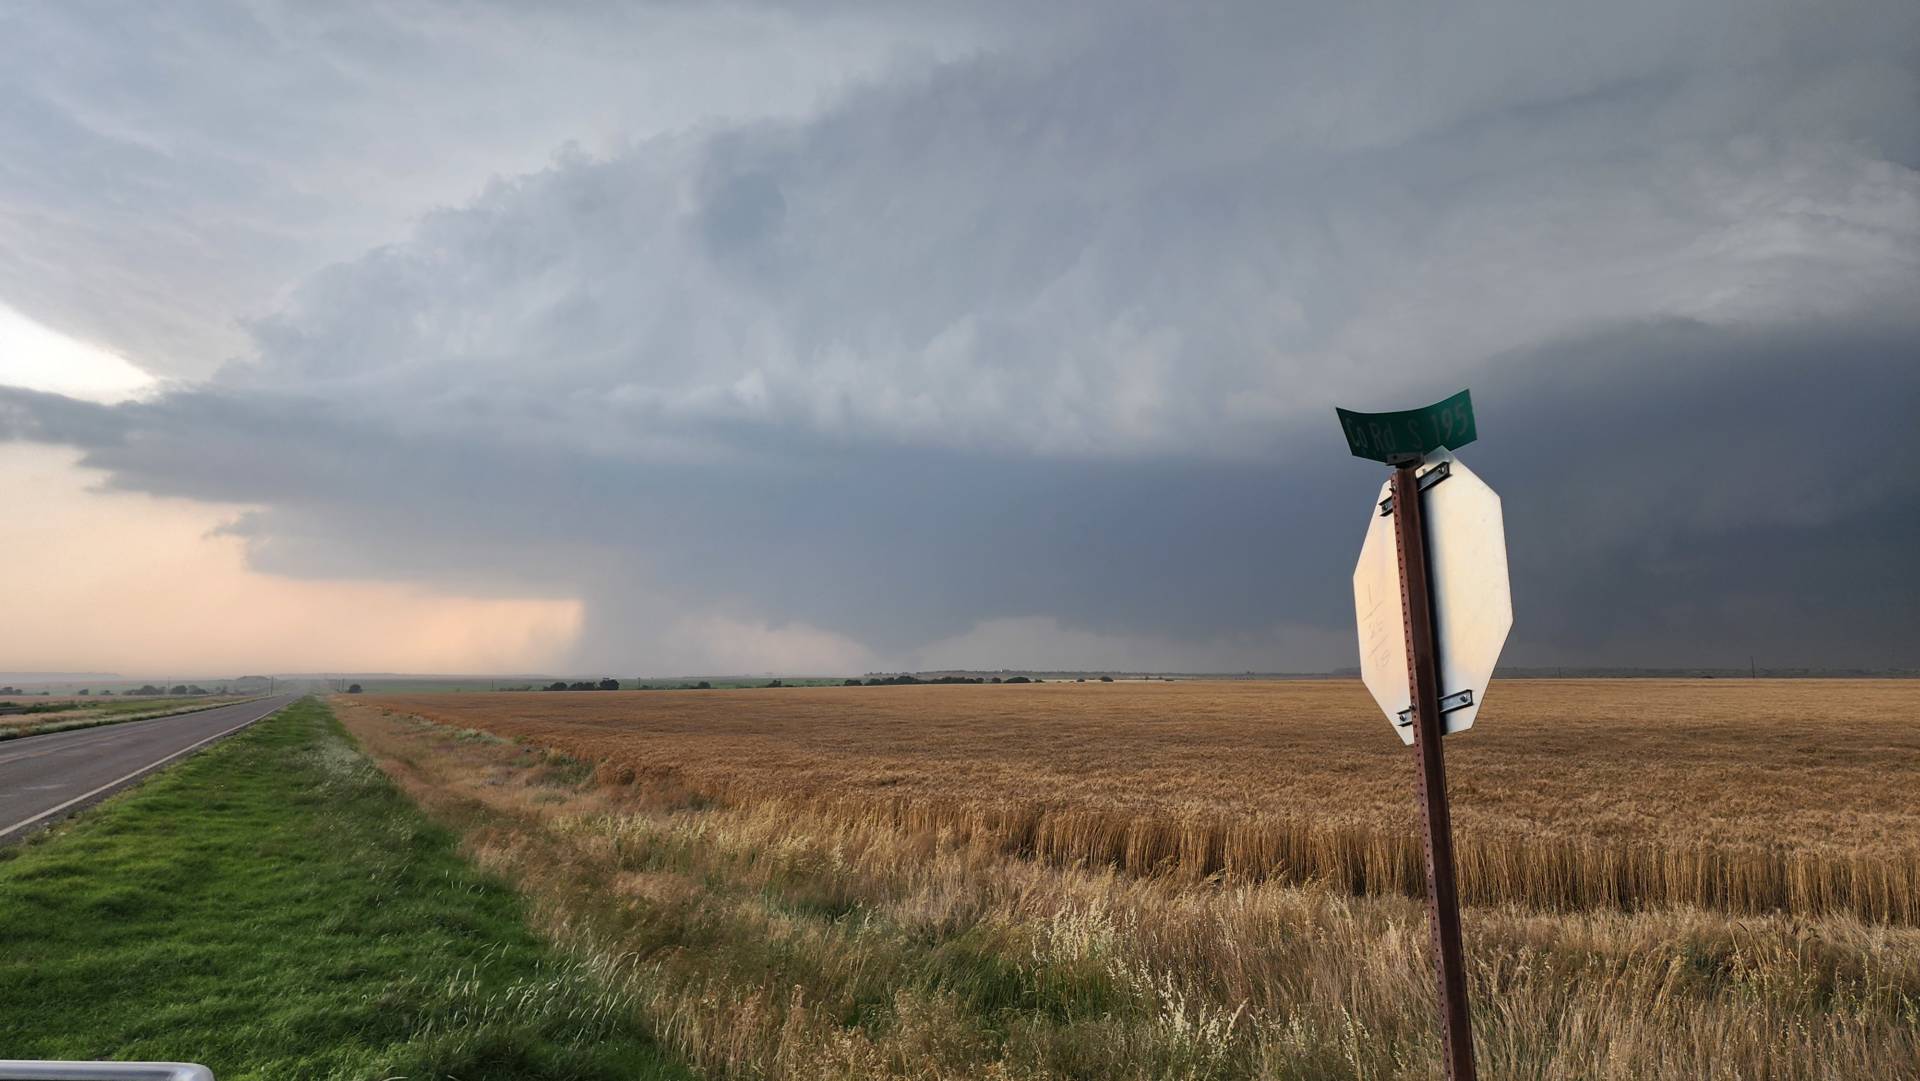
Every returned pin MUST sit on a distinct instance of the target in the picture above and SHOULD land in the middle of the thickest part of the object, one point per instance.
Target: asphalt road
(44, 778)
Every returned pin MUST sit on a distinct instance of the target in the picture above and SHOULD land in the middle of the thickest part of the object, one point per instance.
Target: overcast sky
(832, 338)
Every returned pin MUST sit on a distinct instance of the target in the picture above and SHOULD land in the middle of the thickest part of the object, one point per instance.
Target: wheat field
(1798, 796)
(856, 884)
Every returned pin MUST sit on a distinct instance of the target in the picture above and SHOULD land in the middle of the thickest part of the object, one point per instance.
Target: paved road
(45, 777)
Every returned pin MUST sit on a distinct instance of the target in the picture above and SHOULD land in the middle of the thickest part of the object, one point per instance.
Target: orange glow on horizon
(112, 581)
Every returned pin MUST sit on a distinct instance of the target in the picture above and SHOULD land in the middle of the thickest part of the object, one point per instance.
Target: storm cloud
(1025, 352)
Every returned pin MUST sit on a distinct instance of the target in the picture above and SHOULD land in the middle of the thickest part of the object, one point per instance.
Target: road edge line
(148, 768)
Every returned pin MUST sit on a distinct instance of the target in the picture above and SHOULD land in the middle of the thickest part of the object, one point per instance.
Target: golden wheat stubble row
(1739, 796)
(1308, 975)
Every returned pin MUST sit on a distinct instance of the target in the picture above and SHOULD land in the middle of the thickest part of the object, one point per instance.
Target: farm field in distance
(39, 714)
(1665, 879)
(1798, 795)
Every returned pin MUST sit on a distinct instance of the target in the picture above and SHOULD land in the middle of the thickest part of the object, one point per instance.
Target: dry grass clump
(1740, 796)
(763, 939)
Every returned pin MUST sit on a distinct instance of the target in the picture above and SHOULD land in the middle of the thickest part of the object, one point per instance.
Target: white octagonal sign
(1472, 604)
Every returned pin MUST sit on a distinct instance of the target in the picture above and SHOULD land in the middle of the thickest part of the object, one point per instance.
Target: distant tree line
(150, 690)
(584, 685)
(906, 680)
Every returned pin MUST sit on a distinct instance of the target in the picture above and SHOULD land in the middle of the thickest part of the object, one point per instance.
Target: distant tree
(902, 680)
(703, 685)
(178, 688)
(851, 683)
(83, 691)
(109, 690)
(1018, 679)
(996, 679)
(776, 683)
(148, 688)
(609, 684)
(353, 689)
(1106, 679)
(556, 685)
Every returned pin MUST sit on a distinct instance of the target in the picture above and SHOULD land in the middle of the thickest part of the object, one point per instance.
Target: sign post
(1423, 688)
(1433, 609)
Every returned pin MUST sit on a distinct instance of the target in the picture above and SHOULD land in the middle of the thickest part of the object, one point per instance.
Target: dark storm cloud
(35, 416)
(1052, 333)
(1714, 496)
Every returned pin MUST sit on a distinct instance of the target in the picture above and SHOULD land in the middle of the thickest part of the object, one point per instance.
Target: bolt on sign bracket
(1457, 700)
(1427, 480)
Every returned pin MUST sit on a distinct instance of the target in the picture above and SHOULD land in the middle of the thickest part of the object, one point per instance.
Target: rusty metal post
(1423, 675)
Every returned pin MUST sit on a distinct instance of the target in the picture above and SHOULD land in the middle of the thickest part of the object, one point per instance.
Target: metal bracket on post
(1427, 480)
(1461, 700)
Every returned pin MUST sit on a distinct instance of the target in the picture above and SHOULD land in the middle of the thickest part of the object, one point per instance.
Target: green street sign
(1396, 437)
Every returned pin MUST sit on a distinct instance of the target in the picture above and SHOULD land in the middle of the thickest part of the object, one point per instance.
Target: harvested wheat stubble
(1801, 796)
(760, 942)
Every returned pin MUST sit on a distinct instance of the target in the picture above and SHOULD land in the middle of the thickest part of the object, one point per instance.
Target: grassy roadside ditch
(274, 908)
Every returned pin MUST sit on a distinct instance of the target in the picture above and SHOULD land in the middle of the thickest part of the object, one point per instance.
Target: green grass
(274, 908)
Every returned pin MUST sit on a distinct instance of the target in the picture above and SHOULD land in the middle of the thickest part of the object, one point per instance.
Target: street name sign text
(1396, 437)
